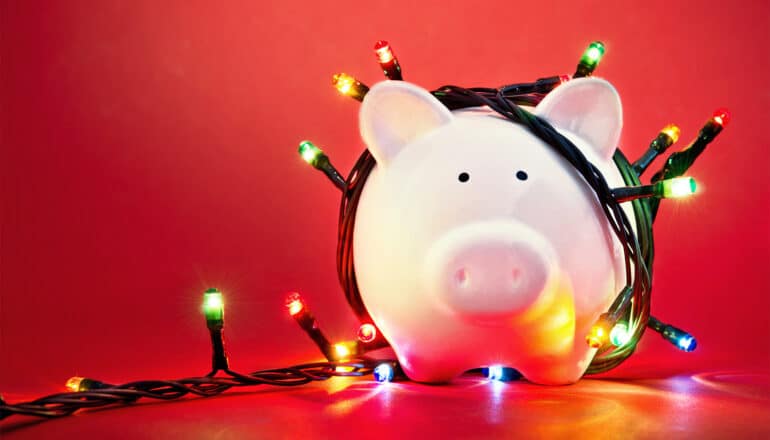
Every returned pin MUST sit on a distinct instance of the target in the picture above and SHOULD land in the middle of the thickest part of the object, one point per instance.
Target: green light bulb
(309, 152)
(593, 54)
(213, 305)
(620, 334)
(677, 187)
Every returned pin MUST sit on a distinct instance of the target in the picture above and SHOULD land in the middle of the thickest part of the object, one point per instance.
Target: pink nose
(490, 269)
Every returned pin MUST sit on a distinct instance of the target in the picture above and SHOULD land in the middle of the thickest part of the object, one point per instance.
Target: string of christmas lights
(615, 334)
(91, 393)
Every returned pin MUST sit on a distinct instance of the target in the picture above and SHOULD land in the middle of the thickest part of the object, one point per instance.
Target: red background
(149, 151)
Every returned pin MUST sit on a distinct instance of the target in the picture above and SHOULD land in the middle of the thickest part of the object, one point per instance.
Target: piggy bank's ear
(589, 108)
(395, 113)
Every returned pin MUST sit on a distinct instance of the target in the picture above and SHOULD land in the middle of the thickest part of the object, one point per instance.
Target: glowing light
(383, 373)
(597, 336)
(344, 83)
(349, 86)
(593, 54)
(294, 303)
(383, 51)
(75, 384)
(495, 372)
(213, 305)
(672, 131)
(367, 332)
(677, 187)
(721, 116)
(342, 350)
(620, 334)
(686, 343)
(309, 152)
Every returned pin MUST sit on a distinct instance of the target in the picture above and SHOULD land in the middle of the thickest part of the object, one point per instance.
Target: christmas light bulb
(672, 131)
(344, 350)
(74, 384)
(680, 338)
(309, 152)
(495, 372)
(294, 303)
(383, 51)
(620, 334)
(599, 333)
(349, 86)
(388, 61)
(383, 373)
(676, 187)
(597, 337)
(500, 373)
(213, 306)
(589, 60)
(367, 333)
(665, 138)
(686, 343)
(676, 336)
(593, 54)
(721, 117)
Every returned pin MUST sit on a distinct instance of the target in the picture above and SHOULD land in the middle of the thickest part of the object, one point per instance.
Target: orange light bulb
(672, 131)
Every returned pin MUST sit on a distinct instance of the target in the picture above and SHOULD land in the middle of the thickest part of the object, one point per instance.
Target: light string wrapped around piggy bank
(578, 119)
(486, 236)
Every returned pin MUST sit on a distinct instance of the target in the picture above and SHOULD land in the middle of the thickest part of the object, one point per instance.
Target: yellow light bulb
(73, 384)
(343, 82)
(672, 131)
(597, 337)
(342, 351)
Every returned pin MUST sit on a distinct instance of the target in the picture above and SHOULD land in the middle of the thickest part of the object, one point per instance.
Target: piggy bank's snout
(490, 269)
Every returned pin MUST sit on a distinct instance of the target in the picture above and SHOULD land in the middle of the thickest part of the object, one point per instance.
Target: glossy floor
(727, 404)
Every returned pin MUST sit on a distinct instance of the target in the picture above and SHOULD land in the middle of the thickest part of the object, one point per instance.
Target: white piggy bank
(475, 243)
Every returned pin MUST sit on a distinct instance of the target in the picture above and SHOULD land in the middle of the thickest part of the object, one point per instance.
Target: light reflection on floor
(710, 403)
(720, 404)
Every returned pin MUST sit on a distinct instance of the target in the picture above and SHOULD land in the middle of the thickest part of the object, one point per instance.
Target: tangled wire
(633, 302)
(99, 394)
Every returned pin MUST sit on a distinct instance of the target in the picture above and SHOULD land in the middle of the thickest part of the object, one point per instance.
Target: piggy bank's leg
(561, 375)
(422, 369)
(558, 370)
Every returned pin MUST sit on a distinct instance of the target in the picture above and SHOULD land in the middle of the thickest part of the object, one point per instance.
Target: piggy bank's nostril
(517, 276)
(461, 277)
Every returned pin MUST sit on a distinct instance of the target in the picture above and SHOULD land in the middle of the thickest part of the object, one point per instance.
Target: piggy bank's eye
(464, 177)
(521, 175)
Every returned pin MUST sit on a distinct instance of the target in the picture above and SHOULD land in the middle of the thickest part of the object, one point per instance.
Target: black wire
(64, 404)
(637, 257)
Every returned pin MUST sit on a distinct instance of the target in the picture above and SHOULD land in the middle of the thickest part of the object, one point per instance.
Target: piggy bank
(475, 243)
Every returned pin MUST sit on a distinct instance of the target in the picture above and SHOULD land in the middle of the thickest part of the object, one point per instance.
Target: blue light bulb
(495, 372)
(500, 373)
(383, 373)
(687, 343)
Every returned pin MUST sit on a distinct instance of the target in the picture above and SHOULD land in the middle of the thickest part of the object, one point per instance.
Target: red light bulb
(294, 303)
(383, 51)
(367, 333)
(721, 117)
